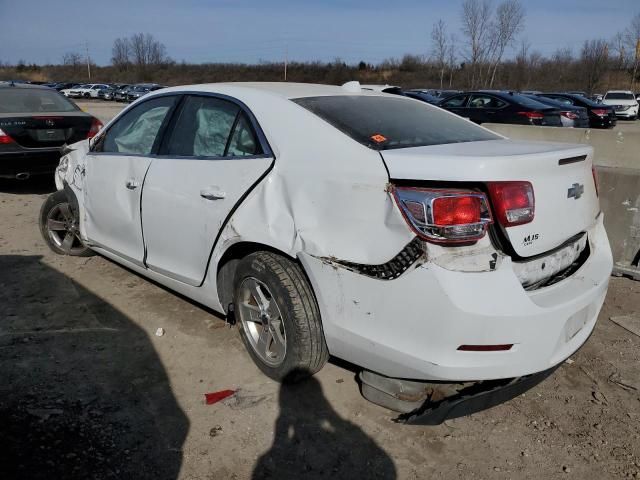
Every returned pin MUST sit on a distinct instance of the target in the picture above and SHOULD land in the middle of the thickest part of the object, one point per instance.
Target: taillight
(513, 202)
(601, 112)
(532, 115)
(569, 115)
(96, 125)
(444, 215)
(4, 138)
(594, 172)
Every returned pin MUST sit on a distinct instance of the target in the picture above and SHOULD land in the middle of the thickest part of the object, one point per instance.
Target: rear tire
(278, 317)
(59, 227)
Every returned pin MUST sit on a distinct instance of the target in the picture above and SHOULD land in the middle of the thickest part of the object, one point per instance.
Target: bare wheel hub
(262, 321)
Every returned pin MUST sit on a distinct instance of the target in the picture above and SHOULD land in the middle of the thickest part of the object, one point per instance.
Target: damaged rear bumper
(412, 326)
(432, 404)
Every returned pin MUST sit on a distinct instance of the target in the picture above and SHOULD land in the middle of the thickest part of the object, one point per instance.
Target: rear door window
(203, 128)
(456, 101)
(486, 101)
(382, 122)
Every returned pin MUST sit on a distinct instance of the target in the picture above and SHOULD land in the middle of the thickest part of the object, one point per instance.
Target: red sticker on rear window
(378, 138)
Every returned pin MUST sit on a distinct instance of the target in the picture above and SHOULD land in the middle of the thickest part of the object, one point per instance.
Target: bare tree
(451, 58)
(632, 38)
(476, 19)
(440, 48)
(594, 60)
(72, 59)
(146, 50)
(121, 53)
(509, 22)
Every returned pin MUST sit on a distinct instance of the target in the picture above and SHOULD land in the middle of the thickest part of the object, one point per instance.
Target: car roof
(285, 90)
(619, 91)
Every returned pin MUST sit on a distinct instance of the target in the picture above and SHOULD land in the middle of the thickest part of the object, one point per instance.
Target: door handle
(211, 194)
(132, 184)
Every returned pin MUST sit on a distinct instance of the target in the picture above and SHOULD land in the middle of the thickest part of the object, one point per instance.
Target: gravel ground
(89, 391)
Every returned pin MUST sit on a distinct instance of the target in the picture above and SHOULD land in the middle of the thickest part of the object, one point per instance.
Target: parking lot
(91, 391)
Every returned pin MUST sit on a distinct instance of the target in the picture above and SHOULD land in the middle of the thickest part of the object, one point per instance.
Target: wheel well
(229, 262)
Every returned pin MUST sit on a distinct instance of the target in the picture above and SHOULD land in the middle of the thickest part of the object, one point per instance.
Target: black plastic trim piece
(570, 160)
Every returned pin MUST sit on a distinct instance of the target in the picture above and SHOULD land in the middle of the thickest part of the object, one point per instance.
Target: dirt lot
(89, 391)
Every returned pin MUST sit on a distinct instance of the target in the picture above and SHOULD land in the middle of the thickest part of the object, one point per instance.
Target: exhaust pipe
(23, 176)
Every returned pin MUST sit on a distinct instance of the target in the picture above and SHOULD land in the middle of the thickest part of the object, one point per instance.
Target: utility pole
(286, 60)
(86, 45)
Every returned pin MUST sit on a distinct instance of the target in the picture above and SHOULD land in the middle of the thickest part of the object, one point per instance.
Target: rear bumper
(600, 122)
(40, 162)
(411, 327)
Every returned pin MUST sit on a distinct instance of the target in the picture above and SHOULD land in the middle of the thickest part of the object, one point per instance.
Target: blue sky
(252, 30)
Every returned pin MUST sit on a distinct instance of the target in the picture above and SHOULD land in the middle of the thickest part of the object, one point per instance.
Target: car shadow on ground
(83, 393)
(35, 185)
(312, 441)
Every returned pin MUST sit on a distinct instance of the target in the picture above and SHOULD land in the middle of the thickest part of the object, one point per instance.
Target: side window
(203, 128)
(136, 131)
(564, 100)
(485, 101)
(455, 101)
(243, 141)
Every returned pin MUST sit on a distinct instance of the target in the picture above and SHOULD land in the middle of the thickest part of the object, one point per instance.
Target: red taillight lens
(569, 115)
(594, 172)
(4, 138)
(96, 125)
(600, 112)
(458, 210)
(532, 115)
(513, 202)
(444, 215)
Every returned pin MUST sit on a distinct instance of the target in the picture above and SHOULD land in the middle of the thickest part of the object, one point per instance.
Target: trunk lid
(566, 202)
(46, 130)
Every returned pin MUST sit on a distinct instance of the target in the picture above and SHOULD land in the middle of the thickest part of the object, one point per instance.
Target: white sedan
(338, 221)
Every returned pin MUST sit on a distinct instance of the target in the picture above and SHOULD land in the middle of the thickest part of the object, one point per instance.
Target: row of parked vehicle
(556, 109)
(120, 92)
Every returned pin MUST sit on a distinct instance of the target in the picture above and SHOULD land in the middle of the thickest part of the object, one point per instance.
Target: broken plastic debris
(160, 332)
(215, 397)
(569, 361)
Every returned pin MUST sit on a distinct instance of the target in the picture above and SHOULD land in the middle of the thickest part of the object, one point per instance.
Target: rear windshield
(619, 96)
(30, 100)
(393, 122)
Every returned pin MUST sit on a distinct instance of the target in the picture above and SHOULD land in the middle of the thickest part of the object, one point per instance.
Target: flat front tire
(278, 317)
(59, 227)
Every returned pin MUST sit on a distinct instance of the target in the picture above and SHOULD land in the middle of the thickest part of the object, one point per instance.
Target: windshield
(33, 100)
(619, 96)
(393, 122)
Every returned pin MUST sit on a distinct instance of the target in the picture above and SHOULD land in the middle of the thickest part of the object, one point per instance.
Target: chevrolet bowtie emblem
(576, 190)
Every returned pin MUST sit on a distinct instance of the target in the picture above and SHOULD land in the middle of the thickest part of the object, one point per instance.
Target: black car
(35, 122)
(600, 116)
(501, 107)
(422, 95)
(570, 115)
(142, 89)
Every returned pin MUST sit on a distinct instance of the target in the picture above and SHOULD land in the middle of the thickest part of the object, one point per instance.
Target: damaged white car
(337, 221)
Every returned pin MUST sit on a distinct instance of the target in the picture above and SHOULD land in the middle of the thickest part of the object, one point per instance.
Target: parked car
(501, 107)
(64, 85)
(121, 93)
(570, 115)
(623, 102)
(107, 93)
(490, 258)
(600, 116)
(423, 95)
(141, 90)
(35, 121)
(89, 90)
